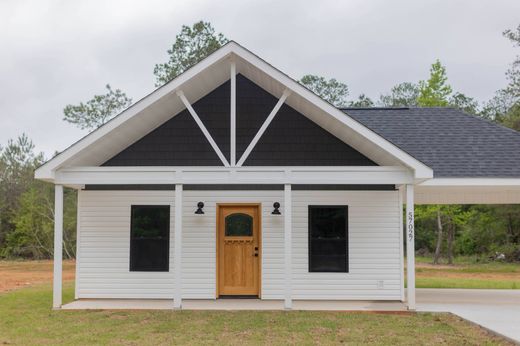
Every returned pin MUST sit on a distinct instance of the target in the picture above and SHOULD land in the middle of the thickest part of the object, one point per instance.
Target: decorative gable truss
(88, 160)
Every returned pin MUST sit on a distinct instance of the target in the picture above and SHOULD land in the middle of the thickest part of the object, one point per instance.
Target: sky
(54, 53)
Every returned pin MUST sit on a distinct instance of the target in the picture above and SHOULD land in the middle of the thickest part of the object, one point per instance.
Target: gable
(157, 108)
(290, 140)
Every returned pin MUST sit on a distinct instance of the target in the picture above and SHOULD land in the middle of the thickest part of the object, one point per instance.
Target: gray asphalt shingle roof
(452, 143)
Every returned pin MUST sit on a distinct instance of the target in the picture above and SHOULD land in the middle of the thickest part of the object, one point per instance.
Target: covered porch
(286, 177)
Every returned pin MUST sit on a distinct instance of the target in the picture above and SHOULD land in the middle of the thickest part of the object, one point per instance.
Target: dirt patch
(18, 274)
(437, 266)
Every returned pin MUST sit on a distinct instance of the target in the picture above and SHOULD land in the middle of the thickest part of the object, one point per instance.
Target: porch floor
(234, 304)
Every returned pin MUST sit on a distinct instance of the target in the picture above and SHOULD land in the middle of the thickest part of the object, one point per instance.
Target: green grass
(466, 272)
(436, 282)
(470, 264)
(26, 319)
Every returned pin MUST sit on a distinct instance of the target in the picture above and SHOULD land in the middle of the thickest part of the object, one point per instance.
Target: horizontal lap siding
(199, 242)
(374, 247)
(104, 246)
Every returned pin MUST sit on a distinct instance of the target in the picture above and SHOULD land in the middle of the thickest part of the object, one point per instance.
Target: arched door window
(239, 225)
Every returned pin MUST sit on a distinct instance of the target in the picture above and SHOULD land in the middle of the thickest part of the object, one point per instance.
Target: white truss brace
(233, 113)
(202, 127)
(262, 129)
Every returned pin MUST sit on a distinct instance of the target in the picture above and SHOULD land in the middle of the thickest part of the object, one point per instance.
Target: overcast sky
(53, 53)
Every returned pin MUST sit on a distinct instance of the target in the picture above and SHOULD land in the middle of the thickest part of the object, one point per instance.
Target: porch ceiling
(468, 191)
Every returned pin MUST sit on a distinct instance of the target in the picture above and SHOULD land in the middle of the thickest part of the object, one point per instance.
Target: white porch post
(288, 246)
(177, 251)
(58, 246)
(410, 246)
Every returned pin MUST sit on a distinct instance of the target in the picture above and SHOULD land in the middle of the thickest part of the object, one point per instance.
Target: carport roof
(451, 142)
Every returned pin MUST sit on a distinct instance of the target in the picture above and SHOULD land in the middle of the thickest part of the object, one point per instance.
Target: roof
(451, 142)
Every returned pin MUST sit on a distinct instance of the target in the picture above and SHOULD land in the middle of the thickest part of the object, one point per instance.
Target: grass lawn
(26, 319)
(467, 274)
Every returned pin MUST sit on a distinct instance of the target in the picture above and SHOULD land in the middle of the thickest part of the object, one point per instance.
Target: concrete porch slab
(233, 304)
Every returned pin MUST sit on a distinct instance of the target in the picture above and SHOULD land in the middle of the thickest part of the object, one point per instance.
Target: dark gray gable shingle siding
(290, 140)
(293, 140)
(253, 106)
(179, 141)
(452, 143)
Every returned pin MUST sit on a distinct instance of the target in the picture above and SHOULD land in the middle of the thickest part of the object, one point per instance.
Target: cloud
(58, 52)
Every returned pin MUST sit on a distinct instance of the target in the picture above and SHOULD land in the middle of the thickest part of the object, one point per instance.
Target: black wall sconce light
(276, 206)
(199, 210)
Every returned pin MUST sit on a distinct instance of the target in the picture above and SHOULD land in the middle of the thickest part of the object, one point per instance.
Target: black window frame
(309, 231)
(132, 265)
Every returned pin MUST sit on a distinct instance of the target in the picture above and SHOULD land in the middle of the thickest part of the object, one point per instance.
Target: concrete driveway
(496, 310)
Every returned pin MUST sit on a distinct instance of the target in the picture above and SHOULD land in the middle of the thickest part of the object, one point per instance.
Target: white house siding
(104, 246)
(199, 242)
(374, 247)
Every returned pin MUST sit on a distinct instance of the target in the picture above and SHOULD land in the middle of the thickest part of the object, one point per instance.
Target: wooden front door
(238, 250)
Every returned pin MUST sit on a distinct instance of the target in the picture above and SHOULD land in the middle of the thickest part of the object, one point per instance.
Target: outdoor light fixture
(199, 210)
(276, 206)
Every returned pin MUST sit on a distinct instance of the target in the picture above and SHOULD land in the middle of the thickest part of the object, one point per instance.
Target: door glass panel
(239, 225)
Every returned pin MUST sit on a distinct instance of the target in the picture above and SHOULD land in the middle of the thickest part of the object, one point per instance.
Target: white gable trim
(47, 171)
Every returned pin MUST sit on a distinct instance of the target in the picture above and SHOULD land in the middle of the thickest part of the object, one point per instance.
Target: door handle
(256, 251)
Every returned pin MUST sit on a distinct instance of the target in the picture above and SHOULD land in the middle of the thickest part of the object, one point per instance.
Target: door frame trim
(217, 262)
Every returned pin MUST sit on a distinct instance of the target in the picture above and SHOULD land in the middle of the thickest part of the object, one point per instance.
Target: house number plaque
(410, 226)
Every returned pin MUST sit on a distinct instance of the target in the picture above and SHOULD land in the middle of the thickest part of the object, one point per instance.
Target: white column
(233, 113)
(401, 240)
(410, 246)
(177, 251)
(58, 246)
(288, 246)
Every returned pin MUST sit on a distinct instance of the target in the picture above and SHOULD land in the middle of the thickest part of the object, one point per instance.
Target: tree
(504, 107)
(191, 46)
(513, 73)
(402, 95)
(17, 163)
(363, 101)
(464, 103)
(435, 91)
(98, 110)
(331, 90)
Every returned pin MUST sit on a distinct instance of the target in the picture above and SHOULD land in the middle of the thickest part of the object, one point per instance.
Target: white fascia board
(46, 171)
(422, 171)
(234, 175)
(472, 182)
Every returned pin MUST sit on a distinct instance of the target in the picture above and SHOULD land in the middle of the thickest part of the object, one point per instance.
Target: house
(235, 180)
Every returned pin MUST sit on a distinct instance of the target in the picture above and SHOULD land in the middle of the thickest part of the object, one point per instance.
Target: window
(328, 239)
(239, 225)
(150, 238)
